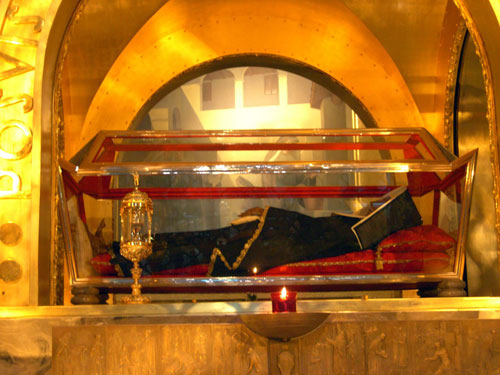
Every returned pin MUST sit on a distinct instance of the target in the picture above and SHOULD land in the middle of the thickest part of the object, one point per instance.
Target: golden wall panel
(21, 23)
(472, 129)
(97, 36)
(483, 23)
(417, 35)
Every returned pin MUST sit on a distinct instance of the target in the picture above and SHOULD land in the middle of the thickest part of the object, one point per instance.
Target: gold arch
(325, 37)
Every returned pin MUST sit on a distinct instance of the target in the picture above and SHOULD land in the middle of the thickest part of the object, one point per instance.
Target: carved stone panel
(337, 348)
(79, 351)
(159, 349)
(334, 349)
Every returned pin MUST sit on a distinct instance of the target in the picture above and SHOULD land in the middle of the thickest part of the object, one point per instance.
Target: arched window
(260, 87)
(217, 90)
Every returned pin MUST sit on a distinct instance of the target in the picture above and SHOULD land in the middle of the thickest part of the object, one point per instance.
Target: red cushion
(101, 264)
(358, 262)
(365, 262)
(420, 238)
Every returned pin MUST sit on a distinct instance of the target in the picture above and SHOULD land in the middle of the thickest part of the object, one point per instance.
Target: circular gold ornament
(10, 234)
(15, 140)
(10, 271)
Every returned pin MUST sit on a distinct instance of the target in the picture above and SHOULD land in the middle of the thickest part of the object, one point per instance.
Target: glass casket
(253, 210)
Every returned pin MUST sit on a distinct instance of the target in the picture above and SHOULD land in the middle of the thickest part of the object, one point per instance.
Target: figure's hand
(255, 211)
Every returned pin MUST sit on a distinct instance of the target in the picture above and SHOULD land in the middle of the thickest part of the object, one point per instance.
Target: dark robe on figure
(279, 237)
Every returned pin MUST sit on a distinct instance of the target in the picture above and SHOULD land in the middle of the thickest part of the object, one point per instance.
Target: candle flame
(283, 294)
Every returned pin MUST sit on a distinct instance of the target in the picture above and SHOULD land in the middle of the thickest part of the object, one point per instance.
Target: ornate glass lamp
(136, 212)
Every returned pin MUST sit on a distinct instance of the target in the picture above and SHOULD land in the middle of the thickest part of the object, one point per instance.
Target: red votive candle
(284, 301)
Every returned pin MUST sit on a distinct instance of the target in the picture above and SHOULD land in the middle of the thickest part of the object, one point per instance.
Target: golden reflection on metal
(491, 114)
(289, 32)
(27, 100)
(27, 136)
(10, 234)
(136, 213)
(35, 20)
(15, 184)
(17, 41)
(419, 43)
(20, 67)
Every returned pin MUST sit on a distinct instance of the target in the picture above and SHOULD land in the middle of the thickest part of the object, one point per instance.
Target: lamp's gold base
(136, 298)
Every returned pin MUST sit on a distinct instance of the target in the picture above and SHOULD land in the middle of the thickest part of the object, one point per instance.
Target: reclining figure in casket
(267, 238)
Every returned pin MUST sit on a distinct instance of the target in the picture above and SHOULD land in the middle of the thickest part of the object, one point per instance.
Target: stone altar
(390, 336)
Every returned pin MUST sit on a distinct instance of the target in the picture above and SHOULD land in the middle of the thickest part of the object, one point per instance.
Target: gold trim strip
(379, 261)
(387, 247)
(216, 252)
(353, 262)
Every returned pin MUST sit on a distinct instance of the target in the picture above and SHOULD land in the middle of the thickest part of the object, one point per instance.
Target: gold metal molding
(57, 242)
(491, 105)
(451, 85)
